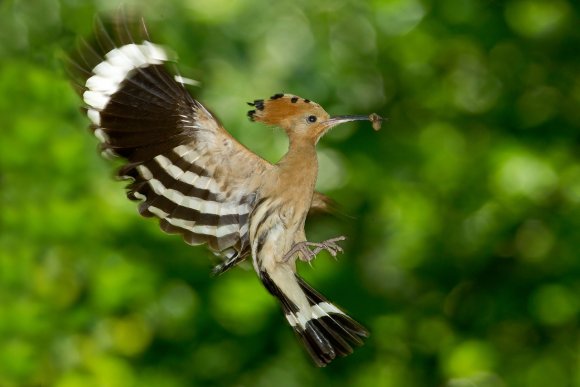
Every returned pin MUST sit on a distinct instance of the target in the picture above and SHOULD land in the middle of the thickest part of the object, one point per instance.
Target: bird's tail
(325, 330)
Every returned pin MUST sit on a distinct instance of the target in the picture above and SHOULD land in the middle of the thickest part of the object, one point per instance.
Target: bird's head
(299, 117)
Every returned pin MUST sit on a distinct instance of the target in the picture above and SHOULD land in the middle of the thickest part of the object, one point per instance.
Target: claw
(307, 254)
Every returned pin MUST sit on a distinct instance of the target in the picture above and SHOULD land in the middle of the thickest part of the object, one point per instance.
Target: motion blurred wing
(322, 204)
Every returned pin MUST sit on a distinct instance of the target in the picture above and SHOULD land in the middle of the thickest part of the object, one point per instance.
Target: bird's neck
(301, 157)
(297, 173)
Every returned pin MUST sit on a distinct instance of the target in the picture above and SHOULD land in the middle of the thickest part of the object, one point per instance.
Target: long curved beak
(337, 120)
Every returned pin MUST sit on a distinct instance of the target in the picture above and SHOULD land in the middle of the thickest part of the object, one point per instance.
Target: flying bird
(189, 172)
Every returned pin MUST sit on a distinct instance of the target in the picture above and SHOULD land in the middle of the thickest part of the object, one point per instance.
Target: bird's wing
(184, 167)
(322, 204)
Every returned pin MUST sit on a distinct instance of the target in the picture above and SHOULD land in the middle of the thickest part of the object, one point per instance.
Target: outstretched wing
(185, 168)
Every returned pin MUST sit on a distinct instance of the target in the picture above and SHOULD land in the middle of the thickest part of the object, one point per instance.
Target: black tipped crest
(258, 103)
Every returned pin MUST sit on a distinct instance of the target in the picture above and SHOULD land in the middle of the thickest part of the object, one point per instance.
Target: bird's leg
(329, 245)
(309, 250)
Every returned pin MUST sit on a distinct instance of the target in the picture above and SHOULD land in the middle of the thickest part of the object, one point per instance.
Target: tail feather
(325, 331)
(328, 332)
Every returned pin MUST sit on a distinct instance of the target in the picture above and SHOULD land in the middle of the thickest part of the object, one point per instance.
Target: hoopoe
(190, 173)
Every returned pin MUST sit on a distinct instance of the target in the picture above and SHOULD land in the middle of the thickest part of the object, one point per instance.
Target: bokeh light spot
(475, 88)
(245, 314)
(521, 174)
(536, 18)
(398, 17)
(215, 11)
(571, 183)
(332, 170)
(555, 304)
(546, 371)
(130, 334)
(470, 358)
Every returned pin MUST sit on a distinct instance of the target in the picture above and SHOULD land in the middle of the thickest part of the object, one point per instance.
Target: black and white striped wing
(185, 168)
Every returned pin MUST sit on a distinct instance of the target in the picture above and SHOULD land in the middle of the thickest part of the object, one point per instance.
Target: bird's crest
(279, 106)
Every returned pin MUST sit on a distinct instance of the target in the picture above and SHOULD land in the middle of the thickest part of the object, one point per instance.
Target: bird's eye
(311, 118)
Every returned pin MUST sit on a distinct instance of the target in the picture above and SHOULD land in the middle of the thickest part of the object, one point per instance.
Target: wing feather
(184, 167)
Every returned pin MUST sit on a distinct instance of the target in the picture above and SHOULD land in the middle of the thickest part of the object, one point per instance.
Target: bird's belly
(275, 226)
(269, 248)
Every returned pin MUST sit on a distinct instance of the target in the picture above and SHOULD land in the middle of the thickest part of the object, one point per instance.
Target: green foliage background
(462, 214)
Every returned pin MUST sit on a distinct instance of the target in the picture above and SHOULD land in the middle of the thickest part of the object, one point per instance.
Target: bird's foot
(309, 250)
